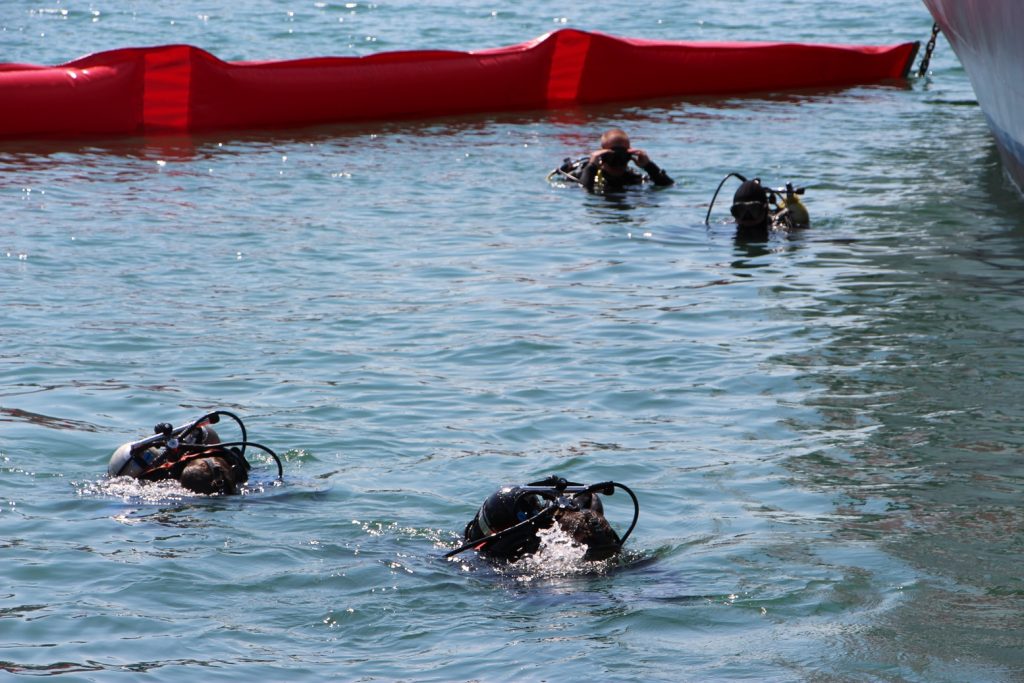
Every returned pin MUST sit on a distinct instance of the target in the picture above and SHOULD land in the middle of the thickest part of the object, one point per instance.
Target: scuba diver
(505, 526)
(752, 208)
(607, 169)
(192, 454)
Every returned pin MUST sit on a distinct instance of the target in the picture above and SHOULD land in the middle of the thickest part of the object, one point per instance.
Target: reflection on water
(918, 402)
(628, 209)
(14, 414)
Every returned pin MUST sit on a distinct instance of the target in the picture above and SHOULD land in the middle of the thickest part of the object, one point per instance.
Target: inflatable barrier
(180, 88)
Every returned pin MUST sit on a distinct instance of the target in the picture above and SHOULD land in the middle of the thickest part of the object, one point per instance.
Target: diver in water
(505, 527)
(607, 169)
(192, 454)
(752, 209)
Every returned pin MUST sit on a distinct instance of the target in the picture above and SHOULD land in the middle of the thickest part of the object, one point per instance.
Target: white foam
(558, 555)
(136, 491)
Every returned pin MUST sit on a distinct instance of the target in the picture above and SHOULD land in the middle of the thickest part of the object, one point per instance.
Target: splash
(135, 491)
(559, 555)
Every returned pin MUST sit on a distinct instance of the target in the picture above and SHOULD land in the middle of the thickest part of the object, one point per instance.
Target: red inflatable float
(179, 88)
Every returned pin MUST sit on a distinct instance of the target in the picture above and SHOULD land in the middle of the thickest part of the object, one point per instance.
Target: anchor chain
(923, 70)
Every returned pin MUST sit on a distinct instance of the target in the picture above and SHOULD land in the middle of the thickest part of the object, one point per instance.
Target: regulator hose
(741, 178)
(214, 418)
(166, 434)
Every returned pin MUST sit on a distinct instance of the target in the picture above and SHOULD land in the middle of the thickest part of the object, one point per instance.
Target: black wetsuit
(760, 232)
(754, 233)
(588, 177)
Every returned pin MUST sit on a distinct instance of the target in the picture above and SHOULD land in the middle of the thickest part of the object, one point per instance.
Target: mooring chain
(928, 51)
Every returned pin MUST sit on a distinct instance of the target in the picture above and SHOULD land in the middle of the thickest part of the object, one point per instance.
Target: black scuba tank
(503, 509)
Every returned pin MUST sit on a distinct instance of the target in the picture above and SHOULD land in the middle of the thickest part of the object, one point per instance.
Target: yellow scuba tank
(798, 215)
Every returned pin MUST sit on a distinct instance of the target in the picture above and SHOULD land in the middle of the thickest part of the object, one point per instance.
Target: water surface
(823, 430)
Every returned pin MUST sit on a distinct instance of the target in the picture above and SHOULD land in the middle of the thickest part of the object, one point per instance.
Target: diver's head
(617, 158)
(614, 137)
(588, 527)
(750, 206)
(213, 475)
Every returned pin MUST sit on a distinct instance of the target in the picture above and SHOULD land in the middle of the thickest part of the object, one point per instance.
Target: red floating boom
(179, 88)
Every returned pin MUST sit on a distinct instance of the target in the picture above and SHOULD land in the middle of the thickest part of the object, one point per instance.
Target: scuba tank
(135, 458)
(796, 214)
(570, 169)
(505, 508)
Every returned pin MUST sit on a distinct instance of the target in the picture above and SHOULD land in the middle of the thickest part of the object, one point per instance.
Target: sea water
(823, 431)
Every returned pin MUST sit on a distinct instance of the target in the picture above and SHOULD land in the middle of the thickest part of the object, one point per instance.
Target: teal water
(823, 431)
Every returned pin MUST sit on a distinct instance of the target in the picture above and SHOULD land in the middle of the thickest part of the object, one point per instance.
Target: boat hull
(180, 88)
(986, 36)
